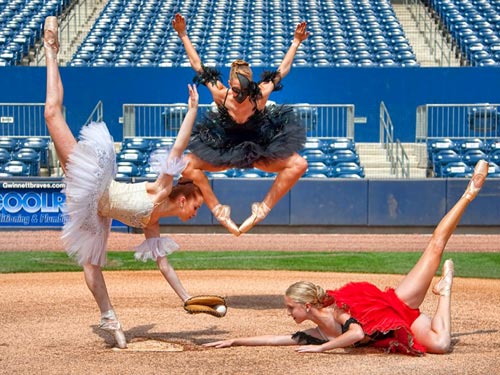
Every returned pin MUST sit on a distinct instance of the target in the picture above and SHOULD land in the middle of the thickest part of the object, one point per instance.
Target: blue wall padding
(485, 209)
(241, 193)
(389, 203)
(329, 202)
(400, 203)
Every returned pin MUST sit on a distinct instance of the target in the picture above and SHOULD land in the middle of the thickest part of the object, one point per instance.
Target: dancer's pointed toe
(443, 286)
(259, 212)
(223, 215)
(477, 180)
(50, 37)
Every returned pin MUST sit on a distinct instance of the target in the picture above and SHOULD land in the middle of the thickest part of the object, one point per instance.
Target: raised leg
(109, 322)
(414, 286)
(290, 170)
(61, 135)
(195, 171)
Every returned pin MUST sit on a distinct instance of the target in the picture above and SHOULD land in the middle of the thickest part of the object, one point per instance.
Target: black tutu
(273, 133)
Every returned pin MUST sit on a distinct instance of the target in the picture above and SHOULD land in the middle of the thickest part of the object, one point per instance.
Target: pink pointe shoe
(477, 180)
(109, 323)
(50, 37)
(443, 286)
(223, 215)
(259, 212)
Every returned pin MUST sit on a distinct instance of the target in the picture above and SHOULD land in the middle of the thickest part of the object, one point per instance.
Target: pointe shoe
(223, 215)
(50, 37)
(443, 286)
(259, 212)
(477, 180)
(110, 323)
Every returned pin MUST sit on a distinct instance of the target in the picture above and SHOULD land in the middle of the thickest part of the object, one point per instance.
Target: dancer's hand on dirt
(193, 97)
(220, 344)
(301, 32)
(309, 349)
(179, 24)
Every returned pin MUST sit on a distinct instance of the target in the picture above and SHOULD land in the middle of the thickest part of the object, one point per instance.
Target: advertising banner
(33, 204)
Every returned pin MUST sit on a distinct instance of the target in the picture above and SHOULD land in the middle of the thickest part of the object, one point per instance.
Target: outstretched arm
(268, 340)
(182, 139)
(179, 25)
(299, 35)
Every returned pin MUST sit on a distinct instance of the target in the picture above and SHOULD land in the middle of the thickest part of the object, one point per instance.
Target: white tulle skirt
(91, 168)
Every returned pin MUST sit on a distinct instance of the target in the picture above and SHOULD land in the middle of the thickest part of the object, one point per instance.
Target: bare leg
(414, 286)
(109, 322)
(289, 172)
(435, 333)
(63, 139)
(194, 171)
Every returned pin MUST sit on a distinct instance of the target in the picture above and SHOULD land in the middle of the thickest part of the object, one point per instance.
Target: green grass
(480, 265)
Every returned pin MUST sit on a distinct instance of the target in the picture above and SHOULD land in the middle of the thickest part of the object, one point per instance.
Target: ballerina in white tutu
(93, 198)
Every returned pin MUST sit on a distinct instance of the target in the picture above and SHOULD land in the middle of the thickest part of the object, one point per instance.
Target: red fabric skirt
(380, 312)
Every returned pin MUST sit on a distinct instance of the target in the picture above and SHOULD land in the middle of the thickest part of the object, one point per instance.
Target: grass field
(474, 265)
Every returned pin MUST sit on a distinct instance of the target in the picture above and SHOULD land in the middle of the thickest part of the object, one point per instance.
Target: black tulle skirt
(273, 133)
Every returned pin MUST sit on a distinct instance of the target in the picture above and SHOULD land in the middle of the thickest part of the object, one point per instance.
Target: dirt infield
(49, 320)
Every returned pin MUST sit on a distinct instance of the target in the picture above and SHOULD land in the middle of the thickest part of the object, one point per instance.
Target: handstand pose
(244, 133)
(361, 314)
(93, 198)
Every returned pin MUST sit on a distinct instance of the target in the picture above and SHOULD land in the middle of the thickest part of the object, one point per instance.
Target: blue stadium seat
(16, 168)
(343, 156)
(314, 155)
(137, 143)
(127, 169)
(341, 170)
(316, 169)
(334, 144)
(471, 157)
(132, 156)
(8, 143)
(30, 157)
(41, 145)
(5, 156)
(455, 169)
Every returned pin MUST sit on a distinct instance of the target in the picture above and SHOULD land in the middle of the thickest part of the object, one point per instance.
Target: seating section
(326, 157)
(21, 25)
(475, 27)
(457, 157)
(343, 33)
(23, 156)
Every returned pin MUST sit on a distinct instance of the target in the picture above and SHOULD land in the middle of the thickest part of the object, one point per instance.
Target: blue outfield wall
(401, 89)
(312, 203)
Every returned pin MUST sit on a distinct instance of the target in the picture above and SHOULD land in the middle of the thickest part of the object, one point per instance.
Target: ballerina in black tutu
(244, 133)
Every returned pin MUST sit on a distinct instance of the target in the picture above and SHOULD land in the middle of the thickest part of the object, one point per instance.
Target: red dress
(382, 315)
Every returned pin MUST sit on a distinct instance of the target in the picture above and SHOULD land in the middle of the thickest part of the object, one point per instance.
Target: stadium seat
(471, 157)
(347, 168)
(16, 168)
(133, 156)
(127, 169)
(5, 156)
(30, 157)
(8, 143)
(455, 169)
(137, 143)
(343, 156)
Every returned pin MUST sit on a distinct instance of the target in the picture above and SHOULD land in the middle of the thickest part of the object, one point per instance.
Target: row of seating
(343, 33)
(450, 157)
(326, 157)
(475, 27)
(21, 25)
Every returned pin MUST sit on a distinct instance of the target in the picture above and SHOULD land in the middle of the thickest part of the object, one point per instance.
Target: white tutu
(155, 247)
(90, 169)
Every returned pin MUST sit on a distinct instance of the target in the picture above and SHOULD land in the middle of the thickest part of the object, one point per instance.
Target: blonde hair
(306, 292)
(242, 67)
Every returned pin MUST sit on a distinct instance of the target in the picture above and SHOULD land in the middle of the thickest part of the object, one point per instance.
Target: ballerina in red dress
(361, 314)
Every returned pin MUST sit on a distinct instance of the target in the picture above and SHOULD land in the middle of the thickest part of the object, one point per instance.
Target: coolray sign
(31, 204)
